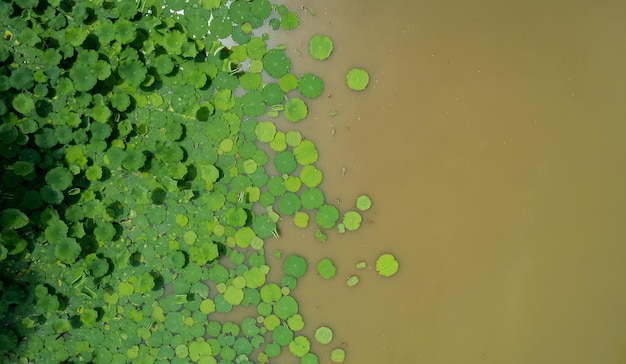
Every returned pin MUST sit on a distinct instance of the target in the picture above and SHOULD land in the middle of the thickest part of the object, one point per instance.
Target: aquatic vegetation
(357, 79)
(137, 199)
(387, 265)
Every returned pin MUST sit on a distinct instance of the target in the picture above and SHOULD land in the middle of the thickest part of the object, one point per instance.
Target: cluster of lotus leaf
(135, 199)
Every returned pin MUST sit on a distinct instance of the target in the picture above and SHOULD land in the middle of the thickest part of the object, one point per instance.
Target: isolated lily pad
(295, 266)
(320, 47)
(363, 202)
(357, 79)
(352, 220)
(326, 268)
(387, 265)
(323, 335)
(338, 355)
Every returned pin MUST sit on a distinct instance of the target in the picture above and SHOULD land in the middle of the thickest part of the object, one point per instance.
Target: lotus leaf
(282, 335)
(288, 82)
(327, 216)
(326, 268)
(276, 63)
(338, 355)
(310, 86)
(320, 47)
(306, 154)
(285, 307)
(295, 266)
(357, 79)
(300, 346)
(387, 265)
(323, 335)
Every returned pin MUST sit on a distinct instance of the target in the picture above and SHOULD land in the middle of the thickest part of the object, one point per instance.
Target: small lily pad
(387, 265)
(320, 47)
(326, 268)
(352, 281)
(357, 79)
(323, 335)
(363, 202)
(338, 355)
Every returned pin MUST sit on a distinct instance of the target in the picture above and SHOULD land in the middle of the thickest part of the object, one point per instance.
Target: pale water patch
(491, 141)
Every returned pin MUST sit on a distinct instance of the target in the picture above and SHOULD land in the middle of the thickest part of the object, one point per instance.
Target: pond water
(491, 141)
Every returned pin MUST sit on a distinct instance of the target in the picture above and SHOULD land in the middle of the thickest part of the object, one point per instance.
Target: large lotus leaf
(276, 63)
(295, 110)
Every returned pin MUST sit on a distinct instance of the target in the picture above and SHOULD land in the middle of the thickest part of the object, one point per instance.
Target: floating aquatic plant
(357, 79)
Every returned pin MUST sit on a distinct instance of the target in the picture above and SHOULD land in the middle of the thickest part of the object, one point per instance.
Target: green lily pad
(363, 203)
(338, 355)
(310, 86)
(310, 175)
(295, 266)
(326, 268)
(276, 63)
(327, 216)
(357, 79)
(295, 110)
(320, 47)
(352, 220)
(387, 265)
(323, 335)
(300, 346)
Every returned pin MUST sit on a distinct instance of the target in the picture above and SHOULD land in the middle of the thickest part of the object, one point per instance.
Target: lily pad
(363, 203)
(357, 79)
(295, 110)
(327, 216)
(338, 355)
(320, 47)
(352, 220)
(326, 268)
(387, 265)
(324, 335)
(295, 266)
(310, 86)
(276, 63)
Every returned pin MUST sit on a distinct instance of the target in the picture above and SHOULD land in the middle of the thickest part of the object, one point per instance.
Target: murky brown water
(491, 141)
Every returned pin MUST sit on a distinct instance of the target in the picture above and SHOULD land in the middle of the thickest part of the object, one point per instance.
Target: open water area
(491, 141)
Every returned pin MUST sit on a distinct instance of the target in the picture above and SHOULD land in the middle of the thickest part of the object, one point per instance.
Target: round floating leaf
(338, 355)
(276, 63)
(59, 178)
(289, 203)
(326, 268)
(67, 250)
(23, 104)
(273, 94)
(301, 219)
(285, 307)
(300, 346)
(352, 281)
(285, 162)
(312, 198)
(357, 79)
(295, 266)
(13, 219)
(293, 138)
(288, 82)
(323, 335)
(310, 86)
(320, 47)
(387, 265)
(84, 79)
(282, 335)
(265, 131)
(310, 175)
(263, 226)
(253, 103)
(306, 153)
(327, 216)
(363, 202)
(352, 220)
(295, 110)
